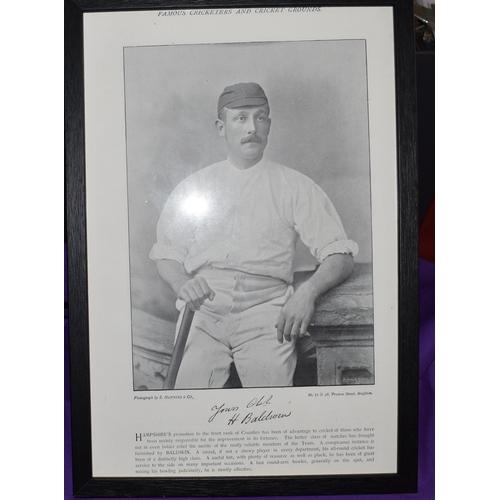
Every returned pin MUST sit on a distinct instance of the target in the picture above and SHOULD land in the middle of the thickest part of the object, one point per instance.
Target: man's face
(246, 130)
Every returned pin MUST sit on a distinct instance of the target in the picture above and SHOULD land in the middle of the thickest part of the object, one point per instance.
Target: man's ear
(221, 127)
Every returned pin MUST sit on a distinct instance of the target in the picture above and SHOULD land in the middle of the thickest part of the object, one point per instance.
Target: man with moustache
(225, 244)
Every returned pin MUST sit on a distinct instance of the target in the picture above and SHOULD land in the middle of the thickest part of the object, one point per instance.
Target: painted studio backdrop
(318, 98)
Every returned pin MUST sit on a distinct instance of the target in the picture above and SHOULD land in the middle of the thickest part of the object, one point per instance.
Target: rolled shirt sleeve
(175, 231)
(319, 227)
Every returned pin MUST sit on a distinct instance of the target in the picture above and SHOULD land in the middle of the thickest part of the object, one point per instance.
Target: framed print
(242, 257)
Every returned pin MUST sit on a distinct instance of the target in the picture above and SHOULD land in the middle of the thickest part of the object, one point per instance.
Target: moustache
(252, 138)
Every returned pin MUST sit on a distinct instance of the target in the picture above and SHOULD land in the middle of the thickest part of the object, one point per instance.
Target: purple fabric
(426, 423)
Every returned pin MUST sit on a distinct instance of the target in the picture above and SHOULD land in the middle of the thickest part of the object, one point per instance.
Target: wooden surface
(153, 343)
(342, 329)
(348, 304)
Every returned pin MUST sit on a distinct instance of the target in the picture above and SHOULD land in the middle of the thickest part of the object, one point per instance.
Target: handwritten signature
(223, 409)
(263, 401)
(233, 416)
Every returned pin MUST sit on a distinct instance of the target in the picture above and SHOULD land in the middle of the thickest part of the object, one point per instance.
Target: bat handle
(180, 345)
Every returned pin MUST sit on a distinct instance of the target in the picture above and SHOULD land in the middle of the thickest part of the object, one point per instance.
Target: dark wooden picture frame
(85, 484)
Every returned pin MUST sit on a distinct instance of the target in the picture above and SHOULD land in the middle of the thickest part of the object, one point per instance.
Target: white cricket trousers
(238, 326)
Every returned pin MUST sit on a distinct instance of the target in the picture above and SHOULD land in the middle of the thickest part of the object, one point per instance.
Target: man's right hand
(194, 292)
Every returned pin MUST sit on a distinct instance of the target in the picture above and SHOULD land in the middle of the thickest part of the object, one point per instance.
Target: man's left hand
(296, 315)
(298, 311)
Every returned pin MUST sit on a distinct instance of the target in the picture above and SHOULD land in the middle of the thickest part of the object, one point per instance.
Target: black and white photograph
(241, 297)
(249, 205)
